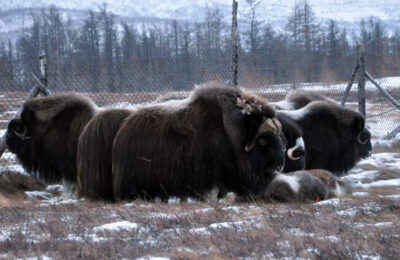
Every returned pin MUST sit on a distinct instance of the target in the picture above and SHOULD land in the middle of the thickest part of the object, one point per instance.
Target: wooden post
(361, 83)
(235, 55)
(44, 73)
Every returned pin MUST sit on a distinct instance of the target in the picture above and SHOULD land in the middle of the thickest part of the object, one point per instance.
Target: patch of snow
(360, 194)
(4, 235)
(394, 196)
(174, 200)
(117, 226)
(153, 258)
(201, 230)
(332, 202)
(73, 237)
(380, 159)
(300, 233)
(381, 183)
(351, 212)
(38, 194)
(333, 239)
(363, 255)
(55, 188)
(361, 176)
(14, 167)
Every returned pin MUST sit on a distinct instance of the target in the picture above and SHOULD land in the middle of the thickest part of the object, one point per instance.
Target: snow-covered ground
(361, 225)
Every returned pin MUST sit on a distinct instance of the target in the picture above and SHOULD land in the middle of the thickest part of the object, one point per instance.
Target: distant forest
(103, 55)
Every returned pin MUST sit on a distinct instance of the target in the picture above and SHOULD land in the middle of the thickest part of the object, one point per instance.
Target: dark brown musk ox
(295, 148)
(335, 137)
(44, 137)
(218, 137)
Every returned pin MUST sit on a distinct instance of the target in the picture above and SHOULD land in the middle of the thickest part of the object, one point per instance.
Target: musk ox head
(17, 137)
(335, 137)
(266, 151)
(44, 136)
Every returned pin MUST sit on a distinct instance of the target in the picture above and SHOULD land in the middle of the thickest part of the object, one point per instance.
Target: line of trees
(103, 55)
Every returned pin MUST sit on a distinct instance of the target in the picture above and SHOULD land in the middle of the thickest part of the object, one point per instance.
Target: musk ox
(44, 137)
(312, 185)
(298, 99)
(218, 137)
(295, 148)
(94, 154)
(335, 138)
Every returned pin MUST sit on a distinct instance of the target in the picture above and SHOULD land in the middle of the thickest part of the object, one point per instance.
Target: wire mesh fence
(125, 86)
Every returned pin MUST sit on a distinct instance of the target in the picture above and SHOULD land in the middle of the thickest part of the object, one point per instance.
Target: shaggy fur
(336, 187)
(335, 137)
(94, 154)
(45, 136)
(220, 137)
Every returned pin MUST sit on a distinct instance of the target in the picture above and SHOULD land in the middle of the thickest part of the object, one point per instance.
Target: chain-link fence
(124, 86)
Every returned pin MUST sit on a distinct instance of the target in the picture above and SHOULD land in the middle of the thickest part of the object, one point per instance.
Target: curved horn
(290, 154)
(361, 141)
(21, 135)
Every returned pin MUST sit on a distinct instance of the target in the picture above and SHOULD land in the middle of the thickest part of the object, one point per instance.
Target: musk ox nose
(364, 137)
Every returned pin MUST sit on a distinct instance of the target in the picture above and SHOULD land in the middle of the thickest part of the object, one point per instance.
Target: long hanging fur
(219, 136)
(45, 136)
(94, 154)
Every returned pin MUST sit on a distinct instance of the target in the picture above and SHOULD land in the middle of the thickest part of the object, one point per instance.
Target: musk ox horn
(363, 137)
(22, 134)
(291, 155)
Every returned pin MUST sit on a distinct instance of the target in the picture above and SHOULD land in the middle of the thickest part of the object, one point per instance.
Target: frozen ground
(362, 225)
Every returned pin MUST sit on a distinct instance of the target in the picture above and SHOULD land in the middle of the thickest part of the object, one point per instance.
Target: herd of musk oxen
(219, 139)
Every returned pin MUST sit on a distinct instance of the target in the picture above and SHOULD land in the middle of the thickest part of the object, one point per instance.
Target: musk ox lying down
(295, 155)
(219, 136)
(311, 185)
(44, 137)
(335, 137)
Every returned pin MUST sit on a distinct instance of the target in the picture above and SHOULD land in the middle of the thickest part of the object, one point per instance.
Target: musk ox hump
(46, 108)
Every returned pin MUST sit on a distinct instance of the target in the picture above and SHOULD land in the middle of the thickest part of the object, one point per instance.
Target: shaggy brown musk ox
(218, 137)
(44, 138)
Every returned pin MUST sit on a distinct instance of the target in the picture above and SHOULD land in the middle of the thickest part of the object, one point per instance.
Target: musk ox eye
(262, 141)
(363, 137)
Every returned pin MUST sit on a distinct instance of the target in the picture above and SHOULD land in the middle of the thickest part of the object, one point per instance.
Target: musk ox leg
(94, 154)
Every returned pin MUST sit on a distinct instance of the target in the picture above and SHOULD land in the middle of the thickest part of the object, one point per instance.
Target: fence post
(234, 36)
(361, 82)
(43, 72)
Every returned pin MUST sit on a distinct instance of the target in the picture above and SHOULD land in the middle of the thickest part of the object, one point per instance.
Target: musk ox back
(335, 137)
(219, 137)
(44, 137)
(300, 98)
